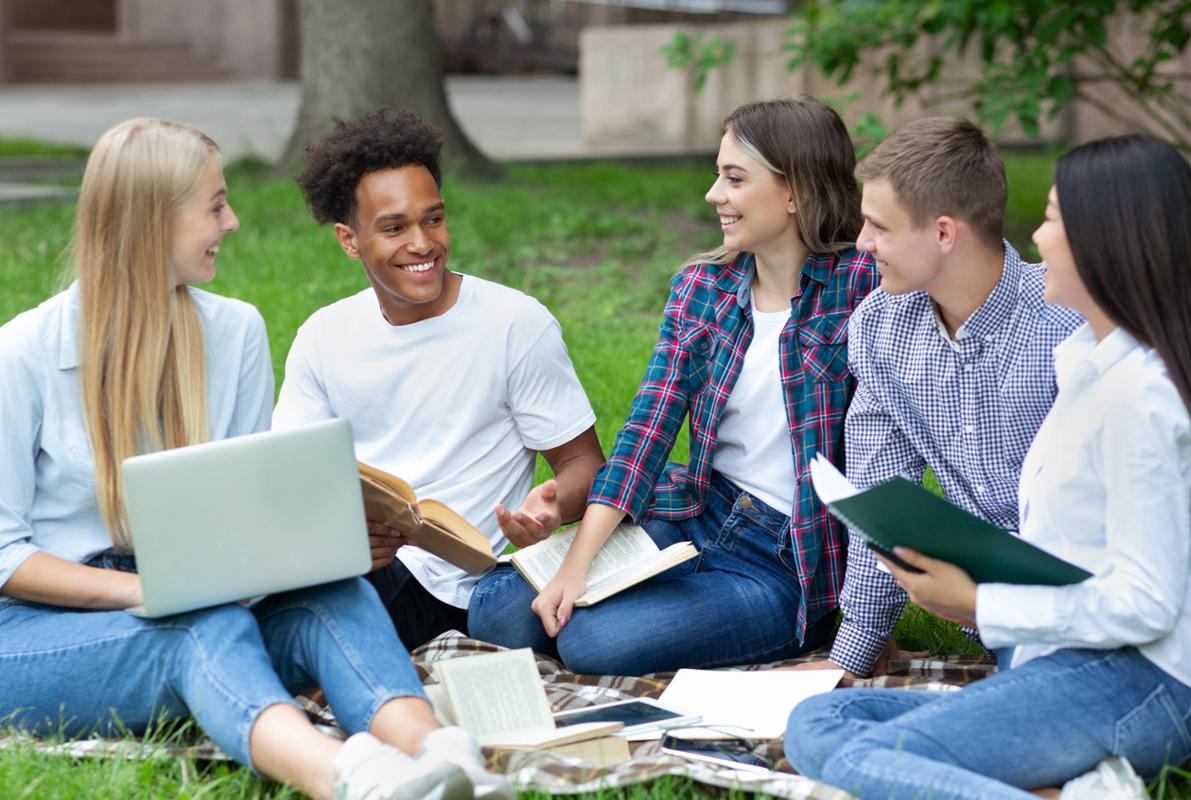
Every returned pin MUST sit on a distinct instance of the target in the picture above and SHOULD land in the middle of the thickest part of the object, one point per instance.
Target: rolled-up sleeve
(20, 428)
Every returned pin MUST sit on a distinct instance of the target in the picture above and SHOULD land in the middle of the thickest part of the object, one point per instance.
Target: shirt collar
(1080, 359)
(996, 308)
(738, 277)
(68, 333)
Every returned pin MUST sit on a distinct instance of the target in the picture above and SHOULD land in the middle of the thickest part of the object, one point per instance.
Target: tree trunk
(360, 55)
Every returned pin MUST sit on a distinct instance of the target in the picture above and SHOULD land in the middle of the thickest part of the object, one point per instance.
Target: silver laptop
(243, 517)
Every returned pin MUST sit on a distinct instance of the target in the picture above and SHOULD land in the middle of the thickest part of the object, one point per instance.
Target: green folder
(899, 513)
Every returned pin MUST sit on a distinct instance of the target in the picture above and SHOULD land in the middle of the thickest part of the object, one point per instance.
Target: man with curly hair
(451, 381)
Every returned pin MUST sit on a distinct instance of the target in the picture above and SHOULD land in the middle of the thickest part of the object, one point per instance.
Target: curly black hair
(381, 139)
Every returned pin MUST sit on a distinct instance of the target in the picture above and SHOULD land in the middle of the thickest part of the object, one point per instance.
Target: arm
(559, 500)
(625, 484)
(43, 578)
(1137, 595)
(871, 600)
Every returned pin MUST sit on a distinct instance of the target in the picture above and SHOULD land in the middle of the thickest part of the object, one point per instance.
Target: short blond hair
(941, 166)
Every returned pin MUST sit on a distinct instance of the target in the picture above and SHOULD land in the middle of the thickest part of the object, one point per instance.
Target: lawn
(596, 243)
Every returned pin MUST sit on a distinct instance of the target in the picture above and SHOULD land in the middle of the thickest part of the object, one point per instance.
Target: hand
(810, 665)
(557, 600)
(384, 542)
(940, 588)
(539, 516)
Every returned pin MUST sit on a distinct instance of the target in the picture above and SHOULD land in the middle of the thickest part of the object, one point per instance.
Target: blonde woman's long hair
(805, 144)
(143, 362)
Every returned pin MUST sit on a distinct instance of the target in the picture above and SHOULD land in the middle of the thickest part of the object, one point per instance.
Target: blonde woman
(131, 358)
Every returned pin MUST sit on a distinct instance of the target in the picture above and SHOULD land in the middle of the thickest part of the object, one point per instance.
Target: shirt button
(969, 428)
(967, 367)
(980, 489)
(988, 337)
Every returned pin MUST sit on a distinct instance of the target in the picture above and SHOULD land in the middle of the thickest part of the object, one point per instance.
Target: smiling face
(400, 236)
(908, 258)
(1063, 284)
(754, 205)
(198, 226)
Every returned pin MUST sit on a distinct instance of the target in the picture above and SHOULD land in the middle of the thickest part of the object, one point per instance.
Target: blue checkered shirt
(968, 407)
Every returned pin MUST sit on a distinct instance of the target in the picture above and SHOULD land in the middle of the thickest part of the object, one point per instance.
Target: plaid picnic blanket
(547, 772)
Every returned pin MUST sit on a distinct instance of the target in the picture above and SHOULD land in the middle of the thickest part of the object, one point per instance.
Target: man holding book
(952, 354)
(451, 382)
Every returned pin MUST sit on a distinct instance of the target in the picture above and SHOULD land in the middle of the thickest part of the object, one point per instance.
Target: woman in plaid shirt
(753, 353)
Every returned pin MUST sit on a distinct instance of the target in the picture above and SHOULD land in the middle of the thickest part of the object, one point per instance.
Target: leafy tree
(1036, 56)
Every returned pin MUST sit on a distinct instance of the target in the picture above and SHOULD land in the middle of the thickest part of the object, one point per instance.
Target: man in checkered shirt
(952, 354)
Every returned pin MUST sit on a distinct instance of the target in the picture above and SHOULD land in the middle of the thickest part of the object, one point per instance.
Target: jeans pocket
(1153, 734)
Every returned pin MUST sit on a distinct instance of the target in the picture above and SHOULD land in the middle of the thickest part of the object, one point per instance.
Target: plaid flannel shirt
(969, 407)
(705, 332)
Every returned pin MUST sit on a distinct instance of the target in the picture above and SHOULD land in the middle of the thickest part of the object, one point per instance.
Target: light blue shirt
(47, 475)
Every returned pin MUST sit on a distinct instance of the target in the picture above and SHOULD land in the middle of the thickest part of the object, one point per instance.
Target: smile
(211, 251)
(726, 220)
(418, 267)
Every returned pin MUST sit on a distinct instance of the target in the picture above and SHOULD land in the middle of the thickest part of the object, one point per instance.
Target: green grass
(596, 243)
(20, 148)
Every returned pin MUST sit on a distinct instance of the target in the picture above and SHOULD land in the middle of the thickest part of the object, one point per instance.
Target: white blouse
(1105, 485)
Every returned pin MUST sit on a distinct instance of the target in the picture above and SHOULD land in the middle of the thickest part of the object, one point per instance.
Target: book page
(830, 484)
(497, 695)
(627, 545)
(631, 574)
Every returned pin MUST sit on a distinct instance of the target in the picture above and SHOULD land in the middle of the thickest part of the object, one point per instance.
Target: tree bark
(360, 55)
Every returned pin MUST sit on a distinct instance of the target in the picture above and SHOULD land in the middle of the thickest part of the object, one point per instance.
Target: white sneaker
(1112, 779)
(453, 745)
(369, 769)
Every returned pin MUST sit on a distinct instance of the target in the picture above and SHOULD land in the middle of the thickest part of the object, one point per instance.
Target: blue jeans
(75, 673)
(736, 603)
(1038, 725)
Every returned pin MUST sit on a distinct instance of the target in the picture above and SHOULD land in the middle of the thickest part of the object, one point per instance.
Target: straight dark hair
(1126, 207)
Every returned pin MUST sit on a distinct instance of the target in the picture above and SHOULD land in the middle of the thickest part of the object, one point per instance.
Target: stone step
(73, 57)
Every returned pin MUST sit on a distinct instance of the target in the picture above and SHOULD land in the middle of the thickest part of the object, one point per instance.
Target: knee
(586, 651)
(351, 596)
(499, 610)
(814, 734)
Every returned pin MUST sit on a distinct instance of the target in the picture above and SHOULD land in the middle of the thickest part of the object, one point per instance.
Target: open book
(498, 698)
(898, 513)
(627, 558)
(438, 529)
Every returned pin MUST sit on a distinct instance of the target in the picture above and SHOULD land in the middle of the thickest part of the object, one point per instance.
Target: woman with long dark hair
(1099, 682)
(753, 353)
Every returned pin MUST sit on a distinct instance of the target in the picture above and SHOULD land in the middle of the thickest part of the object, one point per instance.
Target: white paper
(750, 705)
(830, 484)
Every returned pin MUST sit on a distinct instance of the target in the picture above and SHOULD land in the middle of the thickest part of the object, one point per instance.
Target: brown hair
(943, 166)
(805, 144)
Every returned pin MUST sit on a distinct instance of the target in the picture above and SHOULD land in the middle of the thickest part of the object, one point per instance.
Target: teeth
(213, 250)
(728, 220)
(417, 267)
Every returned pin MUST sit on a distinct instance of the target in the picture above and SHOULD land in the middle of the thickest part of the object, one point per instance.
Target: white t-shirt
(456, 405)
(752, 447)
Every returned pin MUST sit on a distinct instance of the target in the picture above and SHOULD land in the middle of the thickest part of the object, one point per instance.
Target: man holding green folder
(952, 353)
